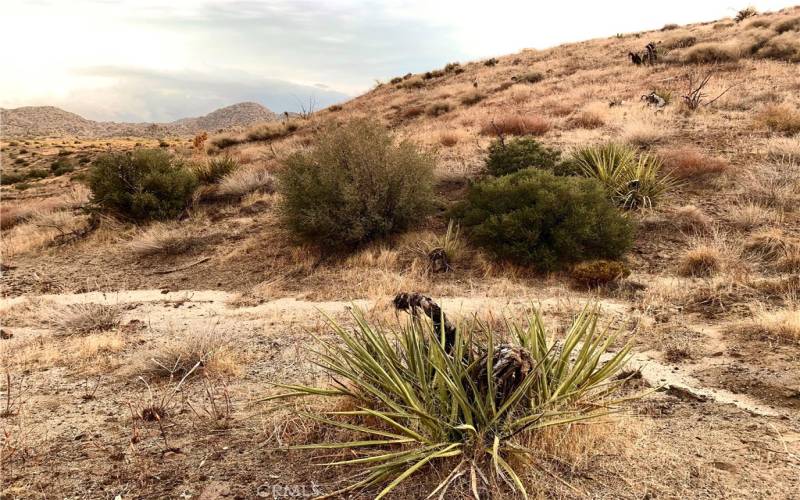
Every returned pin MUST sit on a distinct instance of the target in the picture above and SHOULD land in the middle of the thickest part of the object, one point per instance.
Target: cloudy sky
(142, 60)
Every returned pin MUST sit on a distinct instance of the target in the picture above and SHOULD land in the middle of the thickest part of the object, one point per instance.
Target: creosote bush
(509, 156)
(535, 218)
(354, 186)
(145, 184)
(419, 406)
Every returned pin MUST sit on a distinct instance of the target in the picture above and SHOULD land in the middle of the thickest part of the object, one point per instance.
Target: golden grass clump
(516, 125)
(161, 239)
(208, 351)
(246, 180)
(783, 325)
(748, 215)
(39, 230)
(785, 47)
(767, 244)
(472, 97)
(690, 163)
(710, 53)
(787, 25)
(81, 319)
(643, 132)
(438, 108)
(449, 138)
(780, 118)
(599, 272)
(701, 261)
(691, 218)
(586, 119)
(784, 149)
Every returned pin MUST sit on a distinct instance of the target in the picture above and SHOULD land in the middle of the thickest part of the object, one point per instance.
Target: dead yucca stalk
(422, 400)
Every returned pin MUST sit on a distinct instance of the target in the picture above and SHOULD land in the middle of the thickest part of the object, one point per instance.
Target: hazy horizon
(138, 61)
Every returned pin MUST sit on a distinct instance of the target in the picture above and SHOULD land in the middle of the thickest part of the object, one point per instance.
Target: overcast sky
(142, 60)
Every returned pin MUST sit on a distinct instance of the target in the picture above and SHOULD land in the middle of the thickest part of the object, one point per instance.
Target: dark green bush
(532, 217)
(506, 157)
(354, 186)
(145, 184)
(61, 166)
(37, 173)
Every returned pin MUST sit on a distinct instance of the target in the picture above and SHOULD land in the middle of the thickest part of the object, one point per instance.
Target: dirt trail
(165, 309)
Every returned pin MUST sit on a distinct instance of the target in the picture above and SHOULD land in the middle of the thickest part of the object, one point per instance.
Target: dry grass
(12, 214)
(785, 47)
(789, 262)
(210, 352)
(781, 325)
(587, 119)
(246, 180)
(709, 53)
(449, 138)
(516, 125)
(643, 132)
(780, 118)
(747, 216)
(703, 260)
(162, 239)
(472, 97)
(690, 163)
(39, 231)
(784, 149)
(767, 244)
(692, 219)
(82, 319)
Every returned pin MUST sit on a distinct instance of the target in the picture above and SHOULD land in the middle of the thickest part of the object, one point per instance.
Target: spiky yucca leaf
(418, 404)
(631, 181)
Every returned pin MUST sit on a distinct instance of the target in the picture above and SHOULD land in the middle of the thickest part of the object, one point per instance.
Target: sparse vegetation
(356, 185)
(145, 184)
(535, 218)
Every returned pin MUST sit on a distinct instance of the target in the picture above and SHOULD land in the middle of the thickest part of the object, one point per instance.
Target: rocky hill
(52, 121)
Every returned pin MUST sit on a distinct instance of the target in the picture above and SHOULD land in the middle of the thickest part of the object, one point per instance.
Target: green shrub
(631, 182)
(61, 166)
(418, 405)
(535, 218)
(515, 154)
(215, 169)
(145, 184)
(37, 173)
(11, 178)
(354, 186)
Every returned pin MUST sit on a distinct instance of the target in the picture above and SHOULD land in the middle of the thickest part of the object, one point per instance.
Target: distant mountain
(32, 121)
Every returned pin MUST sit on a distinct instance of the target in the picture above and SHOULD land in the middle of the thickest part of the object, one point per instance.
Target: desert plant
(86, 318)
(208, 352)
(242, 181)
(631, 182)
(356, 185)
(745, 13)
(438, 108)
(215, 169)
(509, 156)
(535, 218)
(598, 272)
(784, 47)
(61, 166)
(418, 404)
(472, 97)
(781, 119)
(702, 260)
(531, 77)
(145, 184)
(160, 239)
(690, 163)
(709, 53)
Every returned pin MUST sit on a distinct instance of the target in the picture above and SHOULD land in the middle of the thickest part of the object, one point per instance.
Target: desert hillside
(158, 345)
(38, 121)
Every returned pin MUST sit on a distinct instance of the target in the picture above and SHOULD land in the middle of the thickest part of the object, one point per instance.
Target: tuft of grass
(587, 120)
(690, 163)
(516, 125)
(596, 273)
(472, 97)
(701, 261)
(711, 53)
(691, 218)
(82, 319)
(780, 118)
(205, 352)
(438, 108)
(417, 406)
(784, 47)
(243, 181)
(781, 325)
(161, 239)
(787, 25)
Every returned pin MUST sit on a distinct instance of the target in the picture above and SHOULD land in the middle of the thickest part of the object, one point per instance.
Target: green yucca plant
(418, 404)
(215, 169)
(632, 181)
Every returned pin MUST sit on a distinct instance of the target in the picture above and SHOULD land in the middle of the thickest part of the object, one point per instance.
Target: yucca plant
(418, 403)
(215, 169)
(632, 181)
